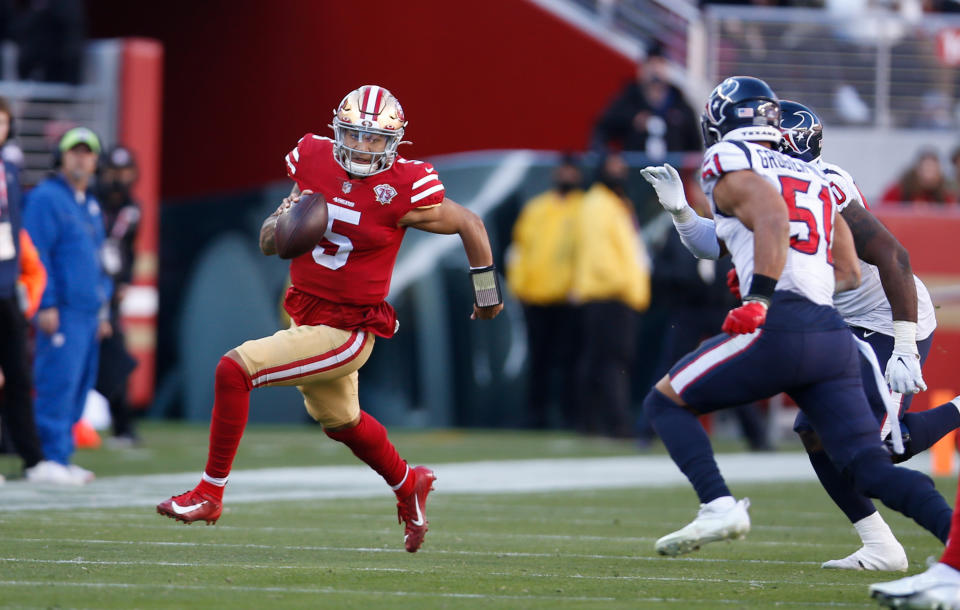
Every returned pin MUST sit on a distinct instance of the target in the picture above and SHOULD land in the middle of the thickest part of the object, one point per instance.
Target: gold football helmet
(367, 126)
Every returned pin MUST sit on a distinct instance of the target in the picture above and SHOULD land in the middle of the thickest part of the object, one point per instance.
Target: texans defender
(890, 310)
(336, 300)
(786, 337)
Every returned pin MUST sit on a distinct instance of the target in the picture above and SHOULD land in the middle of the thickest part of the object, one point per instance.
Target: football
(301, 226)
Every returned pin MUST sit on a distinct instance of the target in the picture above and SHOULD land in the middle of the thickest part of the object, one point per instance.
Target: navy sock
(907, 491)
(853, 504)
(688, 445)
(927, 427)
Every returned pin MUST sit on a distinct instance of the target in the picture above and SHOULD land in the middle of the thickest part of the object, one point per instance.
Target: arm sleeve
(699, 236)
(40, 221)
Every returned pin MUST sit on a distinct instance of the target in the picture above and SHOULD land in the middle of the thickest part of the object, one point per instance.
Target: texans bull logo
(721, 97)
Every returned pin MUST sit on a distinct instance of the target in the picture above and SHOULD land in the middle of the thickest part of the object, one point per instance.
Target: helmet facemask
(364, 151)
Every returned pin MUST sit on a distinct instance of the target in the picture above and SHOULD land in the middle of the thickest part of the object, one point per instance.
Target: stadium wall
(877, 157)
(245, 79)
(931, 236)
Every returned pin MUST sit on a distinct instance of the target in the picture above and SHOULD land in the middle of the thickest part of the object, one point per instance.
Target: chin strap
(486, 286)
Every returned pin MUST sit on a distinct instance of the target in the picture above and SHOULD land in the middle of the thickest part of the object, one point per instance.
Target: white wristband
(905, 336)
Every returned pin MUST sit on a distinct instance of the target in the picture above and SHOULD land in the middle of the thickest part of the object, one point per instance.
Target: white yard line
(346, 568)
(413, 594)
(340, 550)
(323, 482)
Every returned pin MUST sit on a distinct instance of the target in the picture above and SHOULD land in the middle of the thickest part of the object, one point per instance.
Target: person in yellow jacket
(540, 274)
(611, 281)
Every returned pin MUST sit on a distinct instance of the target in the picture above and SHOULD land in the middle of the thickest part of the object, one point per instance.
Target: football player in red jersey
(336, 300)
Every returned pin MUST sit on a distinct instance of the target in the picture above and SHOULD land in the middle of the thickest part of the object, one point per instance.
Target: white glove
(903, 369)
(666, 181)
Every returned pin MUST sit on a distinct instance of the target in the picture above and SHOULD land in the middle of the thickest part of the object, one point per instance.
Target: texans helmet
(802, 131)
(741, 108)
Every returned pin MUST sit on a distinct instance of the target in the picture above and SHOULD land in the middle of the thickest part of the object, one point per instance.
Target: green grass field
(574, 549)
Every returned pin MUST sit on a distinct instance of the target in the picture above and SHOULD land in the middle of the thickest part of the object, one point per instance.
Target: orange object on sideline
(32, 273)
(85, 436)
(943, 451)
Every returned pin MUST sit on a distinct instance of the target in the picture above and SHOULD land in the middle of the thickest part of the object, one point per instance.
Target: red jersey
(344, 280)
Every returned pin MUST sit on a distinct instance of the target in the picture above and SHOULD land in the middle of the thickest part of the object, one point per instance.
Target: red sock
(231, 404)
(951, 554)
(368, 441)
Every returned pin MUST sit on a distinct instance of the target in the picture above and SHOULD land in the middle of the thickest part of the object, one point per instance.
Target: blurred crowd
(584, 275)
(48, 39)
(579, 266)
(925, 183)
(929, 6)
(66, 256)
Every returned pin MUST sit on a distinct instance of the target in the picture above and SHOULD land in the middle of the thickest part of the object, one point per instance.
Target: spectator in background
(954, 184)
(50, 37)
(64, 219)
(121, 215)
(695, 296)
(650, 114)
(16, 405)
(540, 274)
(612, 282)
(922, 183)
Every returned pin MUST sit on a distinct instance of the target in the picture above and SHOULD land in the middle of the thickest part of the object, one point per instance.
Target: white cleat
(710, 525)
(939, 597)
(81, 475)
(872, 557)
(50, 472)
(938, 588)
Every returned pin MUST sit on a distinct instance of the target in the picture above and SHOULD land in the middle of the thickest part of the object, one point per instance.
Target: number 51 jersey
(353, 263)
(810, 205)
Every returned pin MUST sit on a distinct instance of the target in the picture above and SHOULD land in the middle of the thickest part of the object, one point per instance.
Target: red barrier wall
(931, 237)
(139, 128)
(244, 79)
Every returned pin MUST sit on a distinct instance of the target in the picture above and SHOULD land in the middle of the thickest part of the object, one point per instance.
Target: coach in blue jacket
(65, 222)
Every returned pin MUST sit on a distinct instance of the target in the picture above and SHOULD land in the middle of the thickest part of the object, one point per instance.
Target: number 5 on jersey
(333, 239)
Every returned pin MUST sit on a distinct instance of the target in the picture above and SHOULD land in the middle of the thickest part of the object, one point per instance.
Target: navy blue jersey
(805, 350)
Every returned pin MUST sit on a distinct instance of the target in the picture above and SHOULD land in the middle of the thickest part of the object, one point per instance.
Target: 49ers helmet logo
(385, 193)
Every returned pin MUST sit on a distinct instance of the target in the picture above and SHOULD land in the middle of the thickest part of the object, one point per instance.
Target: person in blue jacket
(16, 378)
(66, 224)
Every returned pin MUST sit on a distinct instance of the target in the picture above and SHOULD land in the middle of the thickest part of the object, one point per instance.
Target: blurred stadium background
(211, 95)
